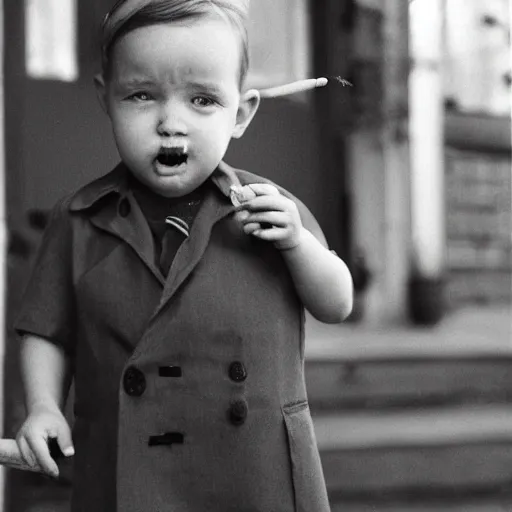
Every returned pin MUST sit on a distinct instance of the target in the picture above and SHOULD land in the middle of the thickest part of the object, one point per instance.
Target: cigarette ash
(341, 81)
(172, 157)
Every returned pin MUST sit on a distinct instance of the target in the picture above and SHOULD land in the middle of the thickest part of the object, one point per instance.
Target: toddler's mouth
(172, 157)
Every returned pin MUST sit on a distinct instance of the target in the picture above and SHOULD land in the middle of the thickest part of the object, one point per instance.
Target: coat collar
(121, 216)
(110, 206)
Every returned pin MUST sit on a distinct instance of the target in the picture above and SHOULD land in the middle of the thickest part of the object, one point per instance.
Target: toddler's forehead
(127, 15)
(170, 56)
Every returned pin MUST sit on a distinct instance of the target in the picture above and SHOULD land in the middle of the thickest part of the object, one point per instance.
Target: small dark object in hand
(54, 448)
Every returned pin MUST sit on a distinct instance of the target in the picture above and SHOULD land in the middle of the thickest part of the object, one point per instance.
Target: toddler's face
(176, 86)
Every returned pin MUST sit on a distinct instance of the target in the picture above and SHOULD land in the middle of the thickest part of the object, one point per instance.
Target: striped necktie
(176, 232)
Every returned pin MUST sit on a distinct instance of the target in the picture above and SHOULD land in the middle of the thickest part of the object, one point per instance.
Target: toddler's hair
(127, 15)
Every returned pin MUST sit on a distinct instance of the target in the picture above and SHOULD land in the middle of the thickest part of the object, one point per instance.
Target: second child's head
(172, 85)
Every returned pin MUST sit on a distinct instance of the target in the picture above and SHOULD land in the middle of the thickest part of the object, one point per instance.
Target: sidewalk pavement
(472, 331)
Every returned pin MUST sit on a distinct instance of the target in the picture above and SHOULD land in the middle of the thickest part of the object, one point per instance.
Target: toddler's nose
(171, 122)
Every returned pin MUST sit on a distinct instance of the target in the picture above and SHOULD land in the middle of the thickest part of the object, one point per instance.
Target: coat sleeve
(48, 305)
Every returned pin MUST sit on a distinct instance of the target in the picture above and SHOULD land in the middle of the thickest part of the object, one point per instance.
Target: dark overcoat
(189, 391)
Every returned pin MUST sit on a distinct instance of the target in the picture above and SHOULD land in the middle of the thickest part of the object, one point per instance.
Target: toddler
(172, 290)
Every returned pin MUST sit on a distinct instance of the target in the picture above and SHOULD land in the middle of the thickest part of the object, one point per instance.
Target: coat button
(237, 371)
(124, 207)
(238, 412)
(134, 381)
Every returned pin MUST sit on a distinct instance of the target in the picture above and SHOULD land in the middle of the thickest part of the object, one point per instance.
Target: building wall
(479, 255)
(477, 57)
(478, 151)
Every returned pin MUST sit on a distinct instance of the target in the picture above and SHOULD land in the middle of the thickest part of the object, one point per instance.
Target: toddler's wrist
(44, 406)
(293, 243)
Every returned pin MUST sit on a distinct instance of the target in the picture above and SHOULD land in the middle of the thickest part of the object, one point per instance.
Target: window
(51, 39)
(477, 65)
(279, 42)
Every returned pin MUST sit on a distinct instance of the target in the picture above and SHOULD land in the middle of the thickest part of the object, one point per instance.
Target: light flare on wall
(51, 39)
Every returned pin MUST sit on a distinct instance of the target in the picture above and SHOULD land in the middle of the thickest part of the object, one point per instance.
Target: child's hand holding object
(42, 425)
(268, 215)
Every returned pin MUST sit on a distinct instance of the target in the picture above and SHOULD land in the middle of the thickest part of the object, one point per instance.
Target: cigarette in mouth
(293, 87)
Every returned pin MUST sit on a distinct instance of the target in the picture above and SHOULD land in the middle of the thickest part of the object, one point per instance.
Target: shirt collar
(116, 182)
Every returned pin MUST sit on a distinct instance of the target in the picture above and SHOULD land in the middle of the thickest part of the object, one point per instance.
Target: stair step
(405, 381)
(422, 451)
(490, 505)
(472, 333)
(423, 427)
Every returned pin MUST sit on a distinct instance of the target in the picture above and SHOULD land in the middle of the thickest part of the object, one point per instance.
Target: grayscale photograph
(255, 256)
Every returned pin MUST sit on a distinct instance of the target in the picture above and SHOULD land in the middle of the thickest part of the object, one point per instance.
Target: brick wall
(479, 226)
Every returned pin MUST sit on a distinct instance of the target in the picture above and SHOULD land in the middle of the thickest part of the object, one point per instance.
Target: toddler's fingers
(65, 441)
(39, 447)
(241, 215)
(26, 452)
(270, 235)
(264, 189)
(250, 228)
(277, 219)
(268, 203)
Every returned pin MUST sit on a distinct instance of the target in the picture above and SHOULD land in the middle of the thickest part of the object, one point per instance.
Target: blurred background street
(407, 167)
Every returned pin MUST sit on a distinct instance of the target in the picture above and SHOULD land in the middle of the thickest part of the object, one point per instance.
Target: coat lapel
(111, 207)
(214, 208)
(133, 229)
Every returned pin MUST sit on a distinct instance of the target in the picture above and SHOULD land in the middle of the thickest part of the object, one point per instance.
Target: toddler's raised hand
(272, 217)
(42, 424)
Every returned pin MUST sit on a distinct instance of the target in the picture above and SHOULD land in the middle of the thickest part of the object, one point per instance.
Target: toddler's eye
(203, 101)
(140, 96)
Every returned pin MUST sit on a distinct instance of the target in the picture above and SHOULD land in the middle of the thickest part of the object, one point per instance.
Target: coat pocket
(307, 474)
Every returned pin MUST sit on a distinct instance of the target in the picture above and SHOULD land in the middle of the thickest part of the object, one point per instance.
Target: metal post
(396, 168)
(427, 161)
(3, 250)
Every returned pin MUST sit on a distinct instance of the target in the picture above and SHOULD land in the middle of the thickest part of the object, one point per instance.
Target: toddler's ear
(101, 91)
(249, 103)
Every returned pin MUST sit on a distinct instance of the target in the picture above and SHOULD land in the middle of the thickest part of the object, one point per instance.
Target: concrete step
(498, 504)
(407, 379)
(425, 452)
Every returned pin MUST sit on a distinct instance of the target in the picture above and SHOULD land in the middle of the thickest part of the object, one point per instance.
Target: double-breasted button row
(238, 409)
(134, 383)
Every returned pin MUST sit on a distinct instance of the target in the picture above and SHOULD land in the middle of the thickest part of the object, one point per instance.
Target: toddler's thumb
(64, 440)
